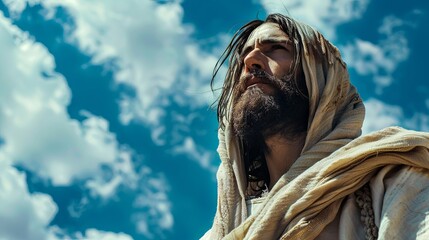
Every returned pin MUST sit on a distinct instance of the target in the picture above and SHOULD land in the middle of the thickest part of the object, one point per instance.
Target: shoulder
(396, 135)
(400, 199)
(401, 183)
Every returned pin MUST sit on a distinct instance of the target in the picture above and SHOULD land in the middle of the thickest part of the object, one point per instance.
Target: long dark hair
(233, 52)
(253, 152)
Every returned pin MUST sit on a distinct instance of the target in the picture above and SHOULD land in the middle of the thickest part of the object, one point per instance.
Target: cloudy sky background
(106, 130)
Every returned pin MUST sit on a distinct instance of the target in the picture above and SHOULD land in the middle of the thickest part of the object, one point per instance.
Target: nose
(255, 60)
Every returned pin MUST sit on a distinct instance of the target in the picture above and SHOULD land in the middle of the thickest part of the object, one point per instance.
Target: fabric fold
(301, 208)
(334, 162)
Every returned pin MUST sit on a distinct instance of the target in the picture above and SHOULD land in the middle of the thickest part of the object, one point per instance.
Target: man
(292, 163)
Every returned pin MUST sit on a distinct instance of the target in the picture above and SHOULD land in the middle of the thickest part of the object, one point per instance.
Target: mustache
(282, 84)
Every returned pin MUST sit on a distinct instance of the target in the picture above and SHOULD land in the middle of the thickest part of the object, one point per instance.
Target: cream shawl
(334, 161)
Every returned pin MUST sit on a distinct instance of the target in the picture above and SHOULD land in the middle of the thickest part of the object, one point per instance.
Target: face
(268, 49)
(266, 99)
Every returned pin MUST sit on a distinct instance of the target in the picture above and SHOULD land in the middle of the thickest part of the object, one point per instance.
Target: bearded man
(293, 164)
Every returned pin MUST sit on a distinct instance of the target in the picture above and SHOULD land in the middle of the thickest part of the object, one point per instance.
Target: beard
(257, 115)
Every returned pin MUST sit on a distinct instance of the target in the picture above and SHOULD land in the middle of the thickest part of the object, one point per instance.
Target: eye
(244, 53)
(278, 46)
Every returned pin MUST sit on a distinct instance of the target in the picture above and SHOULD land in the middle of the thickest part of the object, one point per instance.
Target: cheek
(280, 69)
(277, 70)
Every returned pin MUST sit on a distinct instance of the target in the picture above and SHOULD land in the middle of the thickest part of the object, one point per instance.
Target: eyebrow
(249, 48)
(274, 40)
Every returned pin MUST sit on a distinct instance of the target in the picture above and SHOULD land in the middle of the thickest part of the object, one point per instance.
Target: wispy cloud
(323, 15)
(89, 234)
(152, 216)
(150, 48)
(103, 235)
(38, 134)
(35, 125)
(203, 157)
(380, 115)
(24, 215)
(380, 59)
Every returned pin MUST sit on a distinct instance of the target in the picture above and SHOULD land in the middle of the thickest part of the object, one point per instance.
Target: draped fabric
(333, 164)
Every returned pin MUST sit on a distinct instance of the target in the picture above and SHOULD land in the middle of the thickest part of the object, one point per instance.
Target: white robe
(320, 204)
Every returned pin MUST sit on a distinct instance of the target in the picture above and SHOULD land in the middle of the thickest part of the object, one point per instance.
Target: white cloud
(151, 46)
(94, 234)
(23, 215)
(419, 121)
(157, 134)
(15, 7)
(323, 15)
(26, 215)
(153, 209)
(151, 215)
(76, 208)
(379, 60)
(39, 134)
(120, 172)
(153, 50)
(183, 144)
(34, 124)
(203, 157)
(57, 233)
(380, 115)
(200, 66)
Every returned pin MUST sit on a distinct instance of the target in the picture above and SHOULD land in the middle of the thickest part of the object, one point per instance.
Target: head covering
(336, 115)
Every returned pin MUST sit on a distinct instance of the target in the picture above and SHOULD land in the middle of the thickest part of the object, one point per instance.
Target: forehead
(267, 32)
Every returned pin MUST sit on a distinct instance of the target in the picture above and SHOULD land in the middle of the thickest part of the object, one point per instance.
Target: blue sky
(106, 130)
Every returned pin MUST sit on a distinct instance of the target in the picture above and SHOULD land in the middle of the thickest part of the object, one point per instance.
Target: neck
(281, 154)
